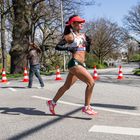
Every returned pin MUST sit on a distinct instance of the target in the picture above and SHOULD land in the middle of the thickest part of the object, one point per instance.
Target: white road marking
(115, 130)
(62, 102)
(98, 108)
(12, 89)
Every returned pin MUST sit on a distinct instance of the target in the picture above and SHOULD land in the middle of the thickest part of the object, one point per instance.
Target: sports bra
(78, 42)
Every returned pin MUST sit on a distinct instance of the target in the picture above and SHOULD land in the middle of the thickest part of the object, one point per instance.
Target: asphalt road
(24, 114)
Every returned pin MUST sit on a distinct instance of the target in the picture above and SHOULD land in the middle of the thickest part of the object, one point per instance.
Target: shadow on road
(14, 87)
(20, 110)
(32, 111)
(47, 124)
(114, 106)
(131, 82)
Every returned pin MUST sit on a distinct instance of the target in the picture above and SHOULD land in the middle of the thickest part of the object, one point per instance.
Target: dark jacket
(34, 57)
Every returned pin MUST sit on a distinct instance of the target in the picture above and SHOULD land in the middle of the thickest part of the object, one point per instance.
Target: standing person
(34, 61)
(78, 44)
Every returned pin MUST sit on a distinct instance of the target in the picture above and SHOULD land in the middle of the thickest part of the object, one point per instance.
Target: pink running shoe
(51, 106)
(88, 110)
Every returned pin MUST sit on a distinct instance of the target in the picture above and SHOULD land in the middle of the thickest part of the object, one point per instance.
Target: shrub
(137, 71)
(135, 57)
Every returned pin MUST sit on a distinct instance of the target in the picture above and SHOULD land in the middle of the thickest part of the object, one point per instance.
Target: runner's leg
(82, 74)
(71, 79)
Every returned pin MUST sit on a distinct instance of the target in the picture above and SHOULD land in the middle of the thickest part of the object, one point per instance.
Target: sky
(113, 10)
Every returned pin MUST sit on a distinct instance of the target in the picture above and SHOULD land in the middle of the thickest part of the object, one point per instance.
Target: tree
(0, 57)
(130, 47)
(49, 26)
(106, 36)
(3, 39)
(20, 35)
(28, 17)
(132, 20)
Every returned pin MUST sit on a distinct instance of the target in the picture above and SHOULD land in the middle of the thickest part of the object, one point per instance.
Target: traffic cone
(95, 74)
(58, 76)
(120, 74)
(26, 78)
(4, 79)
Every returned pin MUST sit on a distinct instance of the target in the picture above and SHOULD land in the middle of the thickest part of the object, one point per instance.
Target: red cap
(76, 19)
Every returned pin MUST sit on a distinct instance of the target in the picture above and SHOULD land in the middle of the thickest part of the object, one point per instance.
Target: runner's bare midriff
(80, 56)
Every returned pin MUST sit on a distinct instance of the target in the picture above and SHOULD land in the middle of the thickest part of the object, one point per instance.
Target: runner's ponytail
(88, 43)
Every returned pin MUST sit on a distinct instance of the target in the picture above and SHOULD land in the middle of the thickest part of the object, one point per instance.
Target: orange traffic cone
(4, 79)
(58, 76)
(120, 74)
(95, 74)
(26, 78)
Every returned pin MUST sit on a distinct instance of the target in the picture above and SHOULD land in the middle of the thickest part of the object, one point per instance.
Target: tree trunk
(3, 45)
(20, 34)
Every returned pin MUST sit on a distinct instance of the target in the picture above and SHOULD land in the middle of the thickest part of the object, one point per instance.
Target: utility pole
(62, 29)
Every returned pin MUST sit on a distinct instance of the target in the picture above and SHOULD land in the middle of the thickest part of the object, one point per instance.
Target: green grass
(137, 71)
(48, 73)
(13, 76)
(16, 76)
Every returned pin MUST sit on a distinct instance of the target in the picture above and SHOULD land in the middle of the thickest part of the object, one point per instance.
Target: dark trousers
(35, 69)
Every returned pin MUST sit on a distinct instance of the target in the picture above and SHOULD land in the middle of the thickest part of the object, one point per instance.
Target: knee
(91, 84)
